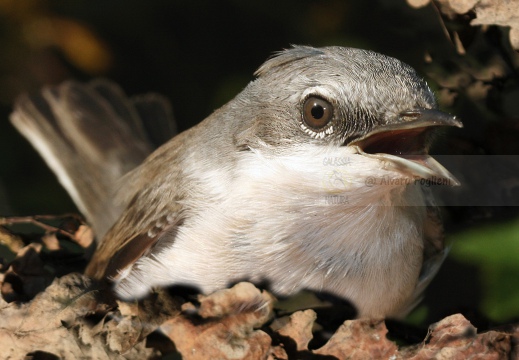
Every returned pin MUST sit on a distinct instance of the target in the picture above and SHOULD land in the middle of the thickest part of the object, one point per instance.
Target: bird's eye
(317, 112)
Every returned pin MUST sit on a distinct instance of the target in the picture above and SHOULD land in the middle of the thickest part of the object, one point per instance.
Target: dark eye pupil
(317, 111)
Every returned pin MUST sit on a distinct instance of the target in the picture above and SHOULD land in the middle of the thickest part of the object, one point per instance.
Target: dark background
(202, 53)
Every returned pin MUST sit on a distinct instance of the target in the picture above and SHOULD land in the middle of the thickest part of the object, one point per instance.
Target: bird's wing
(153, 212)
(139, 232)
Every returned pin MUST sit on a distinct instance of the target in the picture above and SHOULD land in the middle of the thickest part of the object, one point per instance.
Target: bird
(312, 177)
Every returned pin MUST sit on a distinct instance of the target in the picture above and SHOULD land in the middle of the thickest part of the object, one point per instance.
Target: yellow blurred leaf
(79, 43)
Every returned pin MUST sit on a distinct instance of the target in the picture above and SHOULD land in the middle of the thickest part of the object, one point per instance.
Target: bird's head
(375, 105)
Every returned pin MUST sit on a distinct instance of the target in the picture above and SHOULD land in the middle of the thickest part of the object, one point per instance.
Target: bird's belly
(374, 267)
(369, 254)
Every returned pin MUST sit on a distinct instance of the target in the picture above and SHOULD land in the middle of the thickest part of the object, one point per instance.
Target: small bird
(307, 179)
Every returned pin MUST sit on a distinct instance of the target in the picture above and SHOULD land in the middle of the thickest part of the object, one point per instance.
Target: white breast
(299, 221)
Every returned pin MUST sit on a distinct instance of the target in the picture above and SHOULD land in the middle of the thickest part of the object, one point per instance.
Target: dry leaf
(51, 242)
(59, 322)
(359, 339)
(55, 323)
(84, 236)
(37, 326)
(503, 13)
(12, 241)
(418, 3)
(224, 325)
(488, 12)
(455, 338)
(26, 275)
(299, 328)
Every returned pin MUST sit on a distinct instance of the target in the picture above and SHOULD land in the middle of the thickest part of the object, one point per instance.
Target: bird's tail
(90, 135)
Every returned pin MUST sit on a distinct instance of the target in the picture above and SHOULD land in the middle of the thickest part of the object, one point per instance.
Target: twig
(36, 220)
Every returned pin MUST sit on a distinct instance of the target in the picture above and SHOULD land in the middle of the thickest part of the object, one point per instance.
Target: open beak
(404, 145)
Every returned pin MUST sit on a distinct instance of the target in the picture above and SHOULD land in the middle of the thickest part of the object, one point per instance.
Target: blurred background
(202, 53)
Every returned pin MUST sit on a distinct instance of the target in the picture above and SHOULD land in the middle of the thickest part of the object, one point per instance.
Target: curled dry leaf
(70, 320)
(37, 264)
(38, 325)
(57, 322)
(84, 236)
(224, 326)
(51, 242)
(147, 315)
(26, 276)
(299, 328)
(488, 12)
(12, 241)
(457, 6)
(455, 338)
(452, 338)
(360, 339)
(503, 13)
(243, 298)
(418, 3)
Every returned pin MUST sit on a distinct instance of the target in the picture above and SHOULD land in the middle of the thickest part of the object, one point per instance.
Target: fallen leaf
(299, 328)
(455, 338)
(224, 326)
(55, 323)
(359, 339)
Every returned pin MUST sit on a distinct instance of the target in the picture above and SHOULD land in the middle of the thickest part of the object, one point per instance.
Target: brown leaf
(488, 12)
(243, 298)
(455, 338)
(12, 241)
(51, 241)
(299, 328)
(60, 322)
(26, 276)
(418, 3)
(277, 353)
(226, 326)
(503, 13)
(54, 323)
(84, 236)
(37, 326)
(359, 339)
(144, 317)
(459, 6)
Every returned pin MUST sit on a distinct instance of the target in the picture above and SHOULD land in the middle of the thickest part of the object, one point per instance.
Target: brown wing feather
(125, 244)
(152, 192)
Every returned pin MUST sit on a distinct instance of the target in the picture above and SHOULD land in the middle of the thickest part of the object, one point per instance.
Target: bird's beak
(404, 145)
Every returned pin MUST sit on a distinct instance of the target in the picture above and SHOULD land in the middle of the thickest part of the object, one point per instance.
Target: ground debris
(74, 318)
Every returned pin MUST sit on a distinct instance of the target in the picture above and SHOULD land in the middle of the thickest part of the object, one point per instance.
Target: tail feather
(156, 114)
(90, 135)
